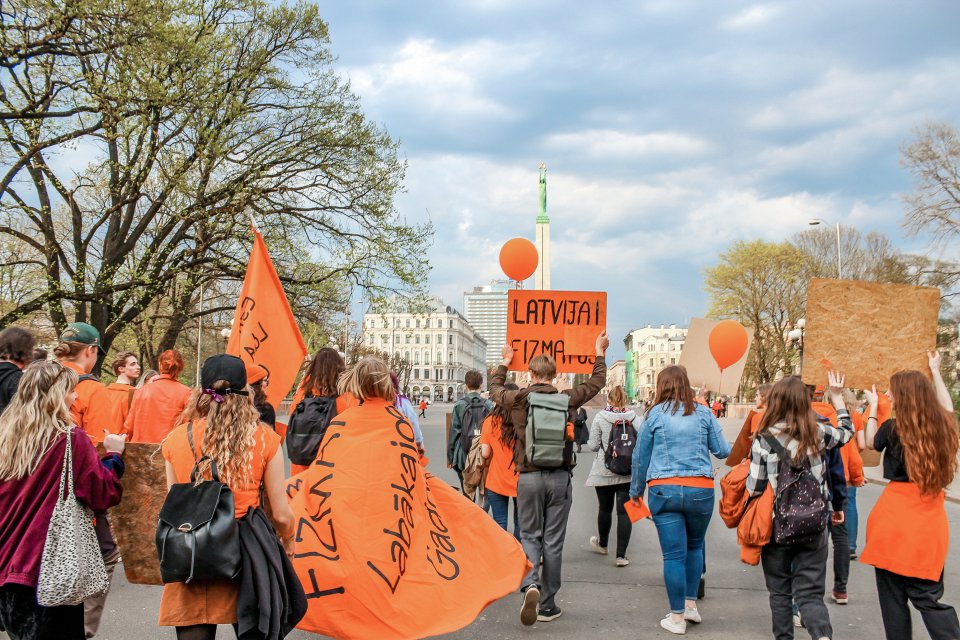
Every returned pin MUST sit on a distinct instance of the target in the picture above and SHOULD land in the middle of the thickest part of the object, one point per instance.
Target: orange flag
(384, 549)
(264, 332)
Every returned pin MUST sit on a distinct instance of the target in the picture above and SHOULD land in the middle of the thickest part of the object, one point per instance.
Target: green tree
(138, 137)
(762, 285)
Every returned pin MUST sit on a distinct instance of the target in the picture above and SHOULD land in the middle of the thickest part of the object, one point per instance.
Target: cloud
(752, 17)
(622, 145)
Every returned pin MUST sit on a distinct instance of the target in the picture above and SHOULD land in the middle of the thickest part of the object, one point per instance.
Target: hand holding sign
(602, 343)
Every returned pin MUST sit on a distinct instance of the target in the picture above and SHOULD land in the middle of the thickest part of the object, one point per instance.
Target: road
(597, 598)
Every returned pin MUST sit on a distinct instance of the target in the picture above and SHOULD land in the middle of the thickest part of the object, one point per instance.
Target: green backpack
(546, 429)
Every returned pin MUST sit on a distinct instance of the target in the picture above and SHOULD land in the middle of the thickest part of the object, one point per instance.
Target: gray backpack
(546, 429)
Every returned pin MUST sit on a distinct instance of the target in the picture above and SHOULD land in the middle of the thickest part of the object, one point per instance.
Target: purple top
(26, 505)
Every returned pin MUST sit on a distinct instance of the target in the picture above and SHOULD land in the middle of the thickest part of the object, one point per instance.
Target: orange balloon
(728, 343)
(519, 259)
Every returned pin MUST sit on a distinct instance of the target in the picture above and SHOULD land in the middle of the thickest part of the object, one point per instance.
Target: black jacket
(271, 600)
(10, 375)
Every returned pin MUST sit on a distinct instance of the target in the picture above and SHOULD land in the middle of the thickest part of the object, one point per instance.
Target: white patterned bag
(71, 569)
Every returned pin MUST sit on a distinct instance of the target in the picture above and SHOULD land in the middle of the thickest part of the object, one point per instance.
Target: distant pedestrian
(33, 439)
(16, 352)
(157, 406)
(672, 458)
(127, 370)
(497, 439)
(613, 489)
(790, 440)
(581, 432)
(423, 408)
(907, 532)
(465, 421)
(544, 495)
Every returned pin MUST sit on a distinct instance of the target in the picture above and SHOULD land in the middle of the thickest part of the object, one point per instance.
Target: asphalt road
(597, 598)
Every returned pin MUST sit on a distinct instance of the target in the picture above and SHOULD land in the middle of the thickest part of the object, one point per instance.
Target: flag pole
(199, 333)
(253, 222)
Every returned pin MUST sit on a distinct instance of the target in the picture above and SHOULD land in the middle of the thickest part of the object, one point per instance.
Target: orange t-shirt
(94, 411)
(344, 402)
(850, 453)
(246, 494)
(156, 408)
(501, 471)
(121, 395)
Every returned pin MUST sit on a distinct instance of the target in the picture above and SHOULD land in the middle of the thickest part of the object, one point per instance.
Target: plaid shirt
(765, 463)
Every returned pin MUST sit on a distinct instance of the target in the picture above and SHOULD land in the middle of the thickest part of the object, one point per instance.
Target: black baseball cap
(224, 367)
(84, 334)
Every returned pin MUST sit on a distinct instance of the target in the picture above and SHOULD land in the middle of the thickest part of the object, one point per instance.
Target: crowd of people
(792, 489)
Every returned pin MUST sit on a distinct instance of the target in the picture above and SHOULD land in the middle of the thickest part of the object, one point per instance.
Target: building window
(663, 361)
(396, 323)
(649, 379)
(418, 323)
(651, 362)
(426, 357)
(451, 324)
(439, 357)
(384, 339)
(417, 340)
(450, 339)
(450, 357)
(416, 374)
(416, 357)
(426, 339)
(426, 374)
(408, 323)
(650, 347)
(406, 356)
(673, 361)
(396, 339)
(408, 339)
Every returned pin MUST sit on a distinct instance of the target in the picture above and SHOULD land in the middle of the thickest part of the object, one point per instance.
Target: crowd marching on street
(238, 543)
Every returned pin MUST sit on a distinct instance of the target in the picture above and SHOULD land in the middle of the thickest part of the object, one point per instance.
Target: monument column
(543, 235)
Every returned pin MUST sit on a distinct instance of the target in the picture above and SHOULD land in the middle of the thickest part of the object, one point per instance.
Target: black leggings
(606, 496)
(199, 632)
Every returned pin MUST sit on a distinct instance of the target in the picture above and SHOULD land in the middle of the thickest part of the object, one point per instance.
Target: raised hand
(835, 383)
(871, 395)
(934, 359)
(507, 355)
(602, 343)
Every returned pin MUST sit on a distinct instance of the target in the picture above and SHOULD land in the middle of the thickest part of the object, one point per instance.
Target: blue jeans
(499, 506)
(681, 515)
(852, 520)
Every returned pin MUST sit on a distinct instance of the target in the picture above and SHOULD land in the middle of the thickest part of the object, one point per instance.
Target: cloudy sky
(670, 128)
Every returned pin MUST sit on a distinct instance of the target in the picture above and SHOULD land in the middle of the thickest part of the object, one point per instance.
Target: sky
(670, 129)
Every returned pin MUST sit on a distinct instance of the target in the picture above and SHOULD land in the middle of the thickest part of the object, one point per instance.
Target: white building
(616, 376)
(649, 351)
(486, 310)
(440, 345)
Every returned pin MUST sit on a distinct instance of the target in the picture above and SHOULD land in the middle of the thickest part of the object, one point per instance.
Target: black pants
(797, 572)
(894, 591)
(841, 556)
(607, 496)
(24, 619)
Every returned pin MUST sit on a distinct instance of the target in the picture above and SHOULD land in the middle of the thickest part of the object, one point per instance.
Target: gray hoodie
(600, 476)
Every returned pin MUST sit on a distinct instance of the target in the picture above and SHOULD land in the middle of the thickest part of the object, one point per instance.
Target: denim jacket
(673, 445)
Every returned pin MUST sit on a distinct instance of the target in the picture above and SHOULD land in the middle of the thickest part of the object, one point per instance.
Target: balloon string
(720, 386)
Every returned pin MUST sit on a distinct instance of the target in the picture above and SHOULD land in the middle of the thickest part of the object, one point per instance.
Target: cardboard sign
(867, 330)
(396, 553)
(134, 520)
(701, 367)
(562, 324)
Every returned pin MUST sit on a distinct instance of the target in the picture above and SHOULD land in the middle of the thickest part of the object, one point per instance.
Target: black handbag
(197, 534)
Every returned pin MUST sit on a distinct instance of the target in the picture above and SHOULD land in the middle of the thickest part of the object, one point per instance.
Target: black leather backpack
(197, 534)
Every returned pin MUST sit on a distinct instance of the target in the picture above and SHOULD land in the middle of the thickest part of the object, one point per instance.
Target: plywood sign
(134, 520)
(701, 368)
(867, 330)
(562, 324)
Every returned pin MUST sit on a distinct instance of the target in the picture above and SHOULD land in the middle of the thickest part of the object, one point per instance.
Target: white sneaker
(679, 628)
(622, 562)
(797, 621)
(595, 546)
(692, 615)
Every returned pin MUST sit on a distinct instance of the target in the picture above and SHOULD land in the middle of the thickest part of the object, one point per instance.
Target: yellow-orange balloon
(519, 259)
(728, 343)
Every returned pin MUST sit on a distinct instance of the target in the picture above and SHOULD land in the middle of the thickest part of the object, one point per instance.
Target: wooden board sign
(701, 368)
(134, 520)
(562, 324)
(868, 330)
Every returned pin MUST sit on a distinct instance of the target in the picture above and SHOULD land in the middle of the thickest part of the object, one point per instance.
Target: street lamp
(795, 336)
(816, 221)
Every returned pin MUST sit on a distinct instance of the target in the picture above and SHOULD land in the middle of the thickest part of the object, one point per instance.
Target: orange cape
(384, 549)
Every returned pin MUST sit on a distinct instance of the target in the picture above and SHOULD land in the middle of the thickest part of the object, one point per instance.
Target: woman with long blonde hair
(224, 425)
(907, 532)
(34, 433)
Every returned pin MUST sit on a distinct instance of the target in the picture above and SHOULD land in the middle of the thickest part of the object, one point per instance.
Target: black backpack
(800, 510)
(197, 535)
(618, 457)
(308, 424)
(470, 422)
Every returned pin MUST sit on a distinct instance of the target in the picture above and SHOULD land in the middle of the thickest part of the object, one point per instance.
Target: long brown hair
(927, 431)
(323, 373)
(502, 414)
(673, 388)
(788, 402)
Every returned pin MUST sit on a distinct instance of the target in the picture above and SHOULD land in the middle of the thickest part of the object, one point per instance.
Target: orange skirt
(201, 602)
(908, 534)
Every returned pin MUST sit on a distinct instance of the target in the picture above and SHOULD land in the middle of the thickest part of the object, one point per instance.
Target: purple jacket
(26, 505)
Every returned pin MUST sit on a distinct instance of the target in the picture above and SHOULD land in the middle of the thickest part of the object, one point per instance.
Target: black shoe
(701, 590)
(531, 602)
(546, 615)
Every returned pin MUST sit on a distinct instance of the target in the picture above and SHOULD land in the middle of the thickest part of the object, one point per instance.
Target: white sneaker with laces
(595, 546)
(679, 628)
(692, 615)
(622, 562)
